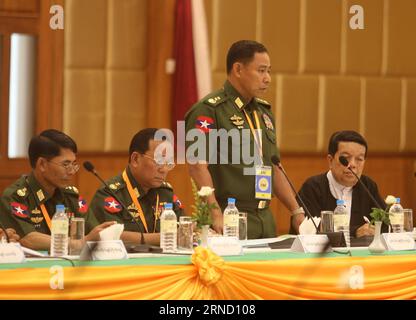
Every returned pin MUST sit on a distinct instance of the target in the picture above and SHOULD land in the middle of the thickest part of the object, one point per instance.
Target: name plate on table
(11, 253)
(104, 250)
(225, 246)
(398, 241)
(311, 243)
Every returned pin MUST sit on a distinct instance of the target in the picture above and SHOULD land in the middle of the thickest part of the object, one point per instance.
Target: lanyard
(137, 203)
(156, 212)
(46, 216)
(255, 132)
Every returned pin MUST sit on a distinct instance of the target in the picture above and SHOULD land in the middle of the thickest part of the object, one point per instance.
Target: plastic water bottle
(342, 220)
(396, 217)
(168, 229)
(59, 232)
(230, 222)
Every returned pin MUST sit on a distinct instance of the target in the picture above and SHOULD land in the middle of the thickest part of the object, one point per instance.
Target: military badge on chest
(36, 217)
(268, 122)
(133, 211)
(158, 211)
(237, 121)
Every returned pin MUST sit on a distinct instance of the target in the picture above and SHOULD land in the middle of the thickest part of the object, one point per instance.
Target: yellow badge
(21, 192)
(239, 103)
(113, 186)
(237, 121)
(75, 190)
(133, 210)
(214, 100)
(36, 211)
(40, 195)
(36, 220)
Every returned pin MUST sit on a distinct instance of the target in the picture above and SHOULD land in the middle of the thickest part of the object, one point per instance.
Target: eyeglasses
(160, 163)
(68, 166)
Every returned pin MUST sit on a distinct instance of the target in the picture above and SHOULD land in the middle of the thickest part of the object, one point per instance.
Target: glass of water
(327, 221)
(407, 220)
(76, 235)
(185, 233)
(242, 226)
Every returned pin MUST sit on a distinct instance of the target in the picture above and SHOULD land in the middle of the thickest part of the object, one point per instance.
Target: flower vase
(377, 247)
(204, 236)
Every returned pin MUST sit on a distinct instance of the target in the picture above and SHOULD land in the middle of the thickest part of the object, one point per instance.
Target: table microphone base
(142, 248)
(336, 239)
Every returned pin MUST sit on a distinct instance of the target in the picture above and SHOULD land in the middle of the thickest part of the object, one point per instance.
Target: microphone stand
(336, 239)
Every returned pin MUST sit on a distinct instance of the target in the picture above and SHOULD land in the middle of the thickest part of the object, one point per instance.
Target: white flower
(205, 191)
(390, 200)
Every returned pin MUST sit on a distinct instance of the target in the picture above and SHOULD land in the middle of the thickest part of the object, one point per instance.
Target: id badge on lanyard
(263, 182)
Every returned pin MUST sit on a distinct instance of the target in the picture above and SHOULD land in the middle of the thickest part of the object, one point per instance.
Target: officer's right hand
(217, 220)
(94, 234)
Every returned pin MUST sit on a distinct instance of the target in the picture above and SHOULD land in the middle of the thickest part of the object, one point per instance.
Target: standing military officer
(237, 107)
(29, 203)
(141, 188)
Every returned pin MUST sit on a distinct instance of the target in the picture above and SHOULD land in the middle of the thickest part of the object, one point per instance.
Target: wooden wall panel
(363, 48)
(280, 33)
(401, 26)
(19, 7)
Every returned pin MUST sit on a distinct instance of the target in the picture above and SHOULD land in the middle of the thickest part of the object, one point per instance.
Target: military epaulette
(215, 99)
(71, 190)
(116, 185)
(263, 102)
(22, 192)
(166, 185)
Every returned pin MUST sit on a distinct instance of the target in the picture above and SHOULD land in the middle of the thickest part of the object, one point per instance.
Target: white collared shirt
(340, 192)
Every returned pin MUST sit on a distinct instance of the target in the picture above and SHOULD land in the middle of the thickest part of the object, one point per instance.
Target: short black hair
(345, 136)
(48, 144)
(243, 51)
(140, 141)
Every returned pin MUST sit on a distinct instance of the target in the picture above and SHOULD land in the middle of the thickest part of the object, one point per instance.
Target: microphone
(142, 247)
(336, 239)
(276, 162)
(343, 160)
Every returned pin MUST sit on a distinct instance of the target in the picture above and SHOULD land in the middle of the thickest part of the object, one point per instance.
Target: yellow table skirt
(373, 277)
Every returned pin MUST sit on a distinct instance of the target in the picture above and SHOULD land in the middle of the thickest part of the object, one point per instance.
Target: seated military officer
(142, 189)
(29, 203)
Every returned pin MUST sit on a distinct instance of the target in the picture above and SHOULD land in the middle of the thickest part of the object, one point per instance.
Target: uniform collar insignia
(40, 194)
(239, 103)
(136, 192)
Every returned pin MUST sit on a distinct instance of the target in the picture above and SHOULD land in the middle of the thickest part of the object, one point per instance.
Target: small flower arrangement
(202, 209)
(383, 215)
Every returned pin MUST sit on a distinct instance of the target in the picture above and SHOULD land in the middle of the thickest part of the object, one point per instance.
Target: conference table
(260, 273)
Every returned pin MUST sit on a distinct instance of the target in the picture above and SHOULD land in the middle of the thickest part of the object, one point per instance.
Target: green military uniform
(224, 109)
(107, 208)
(21, 206)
